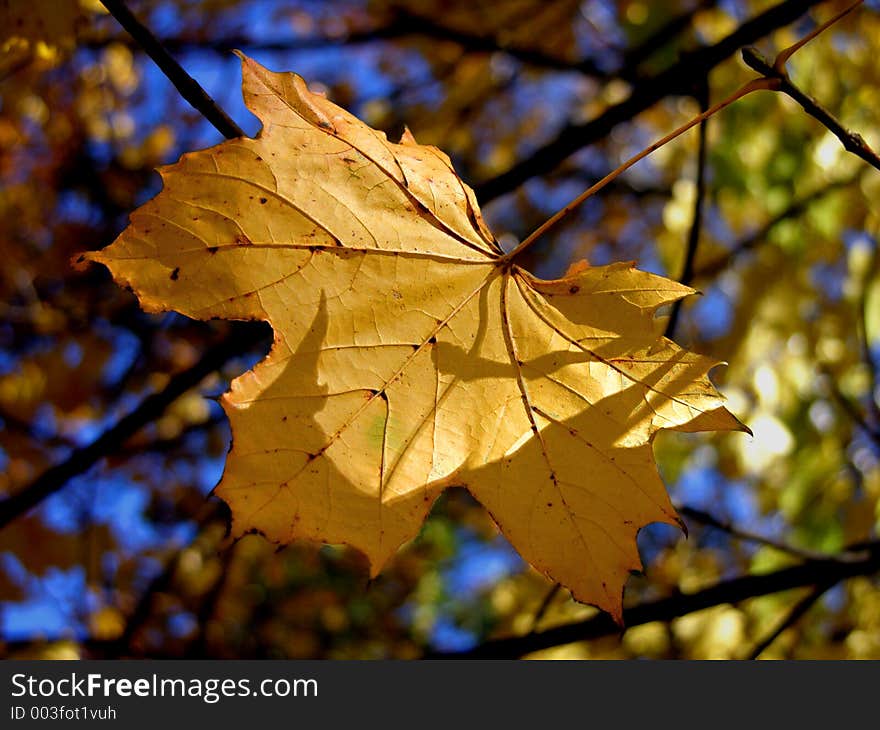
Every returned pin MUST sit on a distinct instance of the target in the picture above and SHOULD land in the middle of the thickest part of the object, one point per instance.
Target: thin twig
(633, 57)
(166, 445)
(750, 241)
(795, 615)
(679, 78)
(748, 88)
(160, 583)
(109, 442)
(853, 411)
(711, 521)
(200, 644)
(864, 341)
(545, 604)
(851, 141)
(188, 87)
(687, 274)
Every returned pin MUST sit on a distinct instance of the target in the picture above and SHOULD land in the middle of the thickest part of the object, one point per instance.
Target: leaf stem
(795, 614)
(786, 53)
(755, 85)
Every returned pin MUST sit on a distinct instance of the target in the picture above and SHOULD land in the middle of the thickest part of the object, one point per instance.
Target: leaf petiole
(767, 82)
(754, 85)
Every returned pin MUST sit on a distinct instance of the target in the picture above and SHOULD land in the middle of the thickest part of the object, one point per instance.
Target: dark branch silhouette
(188, 87)
(851, 141)
(680, 78)
(810, 573)
(693, 241)
(50, 481)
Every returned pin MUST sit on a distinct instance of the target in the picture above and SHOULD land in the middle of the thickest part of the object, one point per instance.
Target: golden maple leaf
(410, 354)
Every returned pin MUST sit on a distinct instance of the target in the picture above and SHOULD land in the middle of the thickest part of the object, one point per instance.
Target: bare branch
(188, 87)
(677, 79)
(712, 521)
(851, 141)
(853, 411)
(752, 240)
(545, 604)
(109, 442)
(809, 573)
(687, 274)
(795, 615)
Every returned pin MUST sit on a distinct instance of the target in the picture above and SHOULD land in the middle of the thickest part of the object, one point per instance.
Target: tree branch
(853, 411)
(851, 141)
(687, 274)
(795, 615)
(545, 604)
(677, 79)
(810, 573)
(752, 240)
(663, 35)
(239, 340)
(409, 25)
(80, 460)
(712, 521)
(188, 87)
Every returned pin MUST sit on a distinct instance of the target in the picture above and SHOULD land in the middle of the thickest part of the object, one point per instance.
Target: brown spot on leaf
(175, 274)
